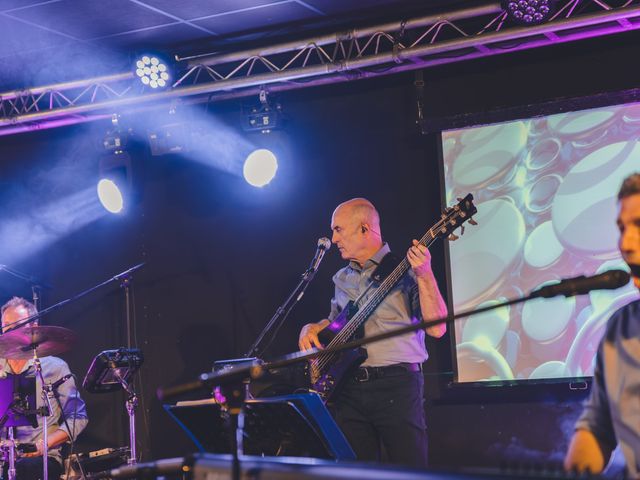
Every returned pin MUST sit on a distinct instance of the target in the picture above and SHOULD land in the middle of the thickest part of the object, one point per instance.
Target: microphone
(568, 287)
(324, 244)
(57, 383)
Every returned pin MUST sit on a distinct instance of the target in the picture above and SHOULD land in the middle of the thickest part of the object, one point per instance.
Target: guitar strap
(387, 265)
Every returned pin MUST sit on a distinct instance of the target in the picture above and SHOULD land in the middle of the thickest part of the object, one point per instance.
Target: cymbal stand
(9, 445)
(11, 473)
(36, 294)
(44, 412)
(12, 456)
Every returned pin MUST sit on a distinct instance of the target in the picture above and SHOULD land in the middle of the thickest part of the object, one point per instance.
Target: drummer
(69, 415)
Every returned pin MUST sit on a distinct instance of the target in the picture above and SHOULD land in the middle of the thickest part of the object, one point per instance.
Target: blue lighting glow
(260, 167)
(110, 196)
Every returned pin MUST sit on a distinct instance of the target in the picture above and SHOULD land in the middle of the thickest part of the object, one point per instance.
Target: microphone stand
(36, 285)
(235, 395)
(281, 314)
(62, 303)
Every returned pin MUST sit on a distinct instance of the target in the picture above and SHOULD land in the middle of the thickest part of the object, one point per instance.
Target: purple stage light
(529, 12)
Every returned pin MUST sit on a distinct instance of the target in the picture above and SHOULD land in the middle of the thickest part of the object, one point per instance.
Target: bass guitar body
(326, 374)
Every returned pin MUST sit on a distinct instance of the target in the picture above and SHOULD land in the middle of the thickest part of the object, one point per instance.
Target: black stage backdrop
(221, 256)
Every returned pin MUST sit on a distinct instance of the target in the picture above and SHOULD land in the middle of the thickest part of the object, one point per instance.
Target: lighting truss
(415, 43)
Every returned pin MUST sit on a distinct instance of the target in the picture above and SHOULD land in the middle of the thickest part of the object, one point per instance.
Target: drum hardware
(17, 395)
(111, 370)
(34, 341)
(42, 341)
(95, 463)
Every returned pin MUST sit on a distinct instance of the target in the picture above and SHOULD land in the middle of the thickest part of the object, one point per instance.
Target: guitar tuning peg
(453, 237)
(459, 199)
(473, 222)
(462, 230)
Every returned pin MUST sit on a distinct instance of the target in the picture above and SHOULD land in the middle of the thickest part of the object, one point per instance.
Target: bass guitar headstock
(454, 217)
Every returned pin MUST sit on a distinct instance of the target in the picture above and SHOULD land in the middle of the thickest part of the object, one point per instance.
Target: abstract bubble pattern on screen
(546, 191)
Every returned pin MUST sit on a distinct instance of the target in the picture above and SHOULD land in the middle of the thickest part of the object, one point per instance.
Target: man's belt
(364, 374)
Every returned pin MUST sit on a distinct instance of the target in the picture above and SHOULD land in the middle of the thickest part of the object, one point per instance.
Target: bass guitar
(327, 371)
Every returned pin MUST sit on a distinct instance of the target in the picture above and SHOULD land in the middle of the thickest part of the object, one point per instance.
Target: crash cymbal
(46, 340)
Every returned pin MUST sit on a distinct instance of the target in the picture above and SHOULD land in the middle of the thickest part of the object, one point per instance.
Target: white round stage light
(152, 72)
(110, 196)
(260, 167)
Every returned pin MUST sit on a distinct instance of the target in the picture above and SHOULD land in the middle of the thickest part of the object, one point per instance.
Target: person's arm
(54, 439)
(73, 409)
(432, 304)
(594, 438)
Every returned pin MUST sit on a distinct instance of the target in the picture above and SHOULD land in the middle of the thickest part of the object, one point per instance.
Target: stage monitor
(545, 189)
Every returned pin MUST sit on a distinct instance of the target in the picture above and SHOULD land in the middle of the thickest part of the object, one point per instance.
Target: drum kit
(25, 340)
(30, 342)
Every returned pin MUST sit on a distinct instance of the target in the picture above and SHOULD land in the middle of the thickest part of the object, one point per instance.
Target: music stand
(111, 370)
(287, 425)
(18, 409)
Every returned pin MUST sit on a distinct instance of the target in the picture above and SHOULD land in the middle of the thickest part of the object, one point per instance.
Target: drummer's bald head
(17, 302)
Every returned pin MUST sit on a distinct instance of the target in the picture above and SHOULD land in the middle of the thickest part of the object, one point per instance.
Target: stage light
(529, 12)
(110, 196)
(263, 117)
(153, 72)
(115, 185)
(260, 167)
